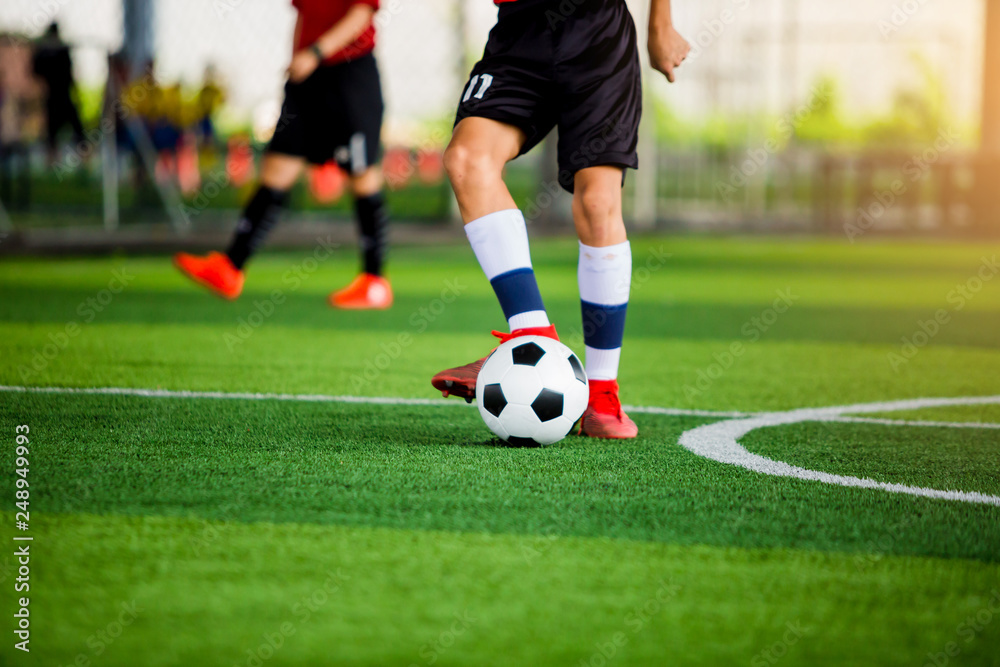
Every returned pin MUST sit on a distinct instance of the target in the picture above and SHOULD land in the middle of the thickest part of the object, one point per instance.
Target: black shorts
(572, 64)
(334, 114)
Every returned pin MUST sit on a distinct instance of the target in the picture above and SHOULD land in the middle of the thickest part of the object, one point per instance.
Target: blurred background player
(210, 98)
(578, 70)
(332, 110)
(53, 64)
(21, 122)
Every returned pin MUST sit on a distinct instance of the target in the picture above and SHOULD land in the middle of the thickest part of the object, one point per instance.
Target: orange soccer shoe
(604, 417)
(461, 381)
(366, 292)
(214, 271)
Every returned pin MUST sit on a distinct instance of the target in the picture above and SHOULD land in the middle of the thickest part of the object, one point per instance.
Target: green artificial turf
(218, 516)
(224, 593)
(438, 468)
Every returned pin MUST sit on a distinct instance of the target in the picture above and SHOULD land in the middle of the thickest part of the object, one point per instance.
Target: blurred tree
(917, 115)
(820, 121)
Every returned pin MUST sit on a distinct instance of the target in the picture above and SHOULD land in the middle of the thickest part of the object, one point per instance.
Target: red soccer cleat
(214, 271)
(604, 417)
(461, 381)
(366, 292)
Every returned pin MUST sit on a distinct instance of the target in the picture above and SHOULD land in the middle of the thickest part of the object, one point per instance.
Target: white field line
(719, 441)
(222, 395)
(309, 398)
(906, 422)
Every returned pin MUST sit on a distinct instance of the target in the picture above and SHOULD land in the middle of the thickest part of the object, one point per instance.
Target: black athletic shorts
(334, 114)
(572, 64)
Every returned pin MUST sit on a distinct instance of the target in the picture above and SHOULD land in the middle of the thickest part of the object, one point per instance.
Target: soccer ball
(531, 391)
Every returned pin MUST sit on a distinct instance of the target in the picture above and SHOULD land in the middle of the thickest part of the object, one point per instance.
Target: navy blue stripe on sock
(517, 292)
(603, 326)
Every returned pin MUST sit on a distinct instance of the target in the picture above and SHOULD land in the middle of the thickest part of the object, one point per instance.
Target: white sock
(601, 364)
(605, 278)
(500, 242)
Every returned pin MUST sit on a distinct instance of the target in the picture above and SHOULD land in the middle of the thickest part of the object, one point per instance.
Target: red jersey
(318, 16)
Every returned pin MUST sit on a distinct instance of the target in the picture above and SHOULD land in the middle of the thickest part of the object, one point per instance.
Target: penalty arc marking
(718, 441)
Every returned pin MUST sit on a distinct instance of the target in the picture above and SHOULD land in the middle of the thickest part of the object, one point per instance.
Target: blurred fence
(708, 151)
(815, 191)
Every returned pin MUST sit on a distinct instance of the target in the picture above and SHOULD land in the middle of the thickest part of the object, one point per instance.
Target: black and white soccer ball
(531, 391)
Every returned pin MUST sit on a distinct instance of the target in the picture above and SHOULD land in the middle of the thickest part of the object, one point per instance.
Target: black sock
(373, 222)
(257, 219)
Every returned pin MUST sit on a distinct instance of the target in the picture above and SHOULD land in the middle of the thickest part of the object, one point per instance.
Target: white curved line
(906, 422)
(720, 442)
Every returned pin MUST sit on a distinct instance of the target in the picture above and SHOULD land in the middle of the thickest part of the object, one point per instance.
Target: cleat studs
(468, 399)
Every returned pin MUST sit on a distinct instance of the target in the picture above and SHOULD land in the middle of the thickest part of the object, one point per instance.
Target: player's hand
(303, 64)
(667, 50)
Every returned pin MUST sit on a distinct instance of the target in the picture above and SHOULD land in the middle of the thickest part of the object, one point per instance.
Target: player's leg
(600, 108)
(77, 125)
(278, 173)
(53, 124)
(506, 108)
(222, 273)
(296, 136)
(370, 289)
(373, 219)
(474, 160)
(354, 97)
(604, 273)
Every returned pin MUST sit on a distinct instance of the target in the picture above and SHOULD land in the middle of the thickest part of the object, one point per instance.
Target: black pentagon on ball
(527, 354)
(577, 369)
(493, 399)
(515, 441)
(548, 405)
